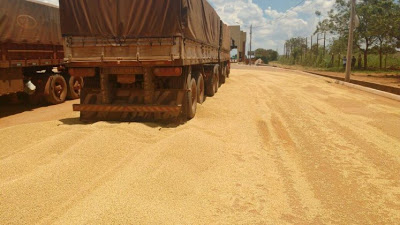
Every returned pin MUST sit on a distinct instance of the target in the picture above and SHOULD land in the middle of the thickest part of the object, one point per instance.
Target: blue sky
(277, 20)
(279, 5)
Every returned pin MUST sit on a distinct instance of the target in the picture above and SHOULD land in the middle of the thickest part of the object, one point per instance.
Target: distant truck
(31, 53)
(144, 59)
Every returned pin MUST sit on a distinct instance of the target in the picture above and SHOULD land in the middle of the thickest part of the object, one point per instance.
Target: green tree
(266, 55)
(295, 47)
(338, 46)
(385, 17)
(377, 19)
(272, 55)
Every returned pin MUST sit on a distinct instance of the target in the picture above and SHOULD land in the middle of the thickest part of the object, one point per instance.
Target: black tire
(191, 99)
(75, 85)
(213, 82)
(210, 86)
(217, 83)
(200, 88)
(57, 89)
(222, 76)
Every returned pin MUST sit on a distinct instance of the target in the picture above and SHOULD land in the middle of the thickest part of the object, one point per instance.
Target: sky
(274, 21)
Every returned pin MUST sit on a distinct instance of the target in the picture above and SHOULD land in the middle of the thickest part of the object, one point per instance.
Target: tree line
(377, 31)
(266, 55)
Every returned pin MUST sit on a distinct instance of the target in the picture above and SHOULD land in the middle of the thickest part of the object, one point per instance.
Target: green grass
(324, 63)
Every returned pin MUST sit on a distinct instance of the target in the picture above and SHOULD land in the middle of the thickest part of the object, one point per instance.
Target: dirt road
(272, 147)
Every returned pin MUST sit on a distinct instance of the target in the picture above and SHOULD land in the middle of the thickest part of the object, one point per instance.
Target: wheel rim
(58, 89)
(77, 86)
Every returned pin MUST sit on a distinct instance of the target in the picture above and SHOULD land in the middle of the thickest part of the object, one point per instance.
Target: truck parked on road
(144, 59)
(31, 53)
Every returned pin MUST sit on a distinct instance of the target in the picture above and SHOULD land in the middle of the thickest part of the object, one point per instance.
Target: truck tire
(75, 85)
(210, 86)
(222, 77)
(191, 101)
(213, 82)
(57, 89)
(217, 83)
(200, 88)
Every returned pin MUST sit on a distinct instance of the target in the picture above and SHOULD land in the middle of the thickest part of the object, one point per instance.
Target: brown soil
(272, 147)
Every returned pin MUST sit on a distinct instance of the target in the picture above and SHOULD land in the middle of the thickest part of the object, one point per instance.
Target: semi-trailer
(31, 53)
(144, 59)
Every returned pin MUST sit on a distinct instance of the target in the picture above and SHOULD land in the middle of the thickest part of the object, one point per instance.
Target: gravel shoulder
(272, 147)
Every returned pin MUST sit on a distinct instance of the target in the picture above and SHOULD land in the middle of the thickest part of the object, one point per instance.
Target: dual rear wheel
(57, 89)
(191, 99)
(196, 94)
(213, 82)
(198, 88)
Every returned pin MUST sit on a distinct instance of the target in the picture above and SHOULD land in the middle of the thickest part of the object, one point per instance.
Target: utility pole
(251, 35)
(284, 49)
(306, 46)
(324, 43)
(350, 43)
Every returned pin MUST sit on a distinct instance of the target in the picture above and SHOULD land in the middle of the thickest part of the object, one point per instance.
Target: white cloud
(272, 28)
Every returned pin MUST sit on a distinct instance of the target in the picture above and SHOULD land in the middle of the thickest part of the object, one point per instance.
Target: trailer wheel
(57, 89)
(200, 88)
(191, 99)
(213, 82)
(216, 77)
(75, 85)
(210, 86)
(222, 77)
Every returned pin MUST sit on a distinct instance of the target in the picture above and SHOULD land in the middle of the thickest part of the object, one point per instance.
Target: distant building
(239, 40)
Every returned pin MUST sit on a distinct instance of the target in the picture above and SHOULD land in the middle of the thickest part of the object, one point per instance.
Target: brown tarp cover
(30, 22)
(194, 19)
(226, 38)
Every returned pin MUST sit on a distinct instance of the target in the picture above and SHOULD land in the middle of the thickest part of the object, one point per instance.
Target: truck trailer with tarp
(144, 59)
(31, 53)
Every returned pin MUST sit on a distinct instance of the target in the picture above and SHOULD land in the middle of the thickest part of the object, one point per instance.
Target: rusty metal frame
(126, 108)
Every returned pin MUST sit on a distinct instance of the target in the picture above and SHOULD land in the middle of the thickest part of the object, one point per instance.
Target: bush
(264, 59)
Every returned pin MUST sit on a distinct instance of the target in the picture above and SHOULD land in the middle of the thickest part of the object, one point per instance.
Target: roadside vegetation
(376, 42)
